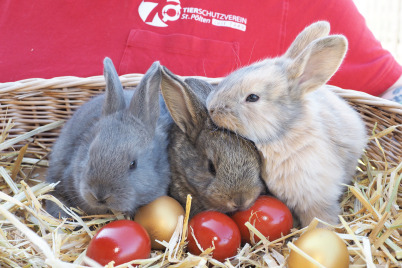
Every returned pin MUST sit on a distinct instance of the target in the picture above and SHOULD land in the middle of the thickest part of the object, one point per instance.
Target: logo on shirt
(160, 13)
(157, 14)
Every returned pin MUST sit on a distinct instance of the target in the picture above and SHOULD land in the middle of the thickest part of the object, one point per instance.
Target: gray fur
(92, 156)
(195, 140)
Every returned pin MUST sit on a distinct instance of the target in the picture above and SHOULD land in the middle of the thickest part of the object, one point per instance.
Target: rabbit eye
(133, 165)
(252, 98)
(211, 168)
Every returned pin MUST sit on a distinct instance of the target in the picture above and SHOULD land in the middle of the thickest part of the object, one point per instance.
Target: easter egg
(159, 218)
(212, 228)
(322, 245)
(119, 241)
(270, 217)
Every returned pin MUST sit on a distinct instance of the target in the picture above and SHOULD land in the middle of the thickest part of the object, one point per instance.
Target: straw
(371, 219)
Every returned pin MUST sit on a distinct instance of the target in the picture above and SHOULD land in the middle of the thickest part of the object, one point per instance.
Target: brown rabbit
(218, 168)
(309, 138)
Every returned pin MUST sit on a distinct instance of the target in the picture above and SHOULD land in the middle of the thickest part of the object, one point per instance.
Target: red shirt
(47, 38)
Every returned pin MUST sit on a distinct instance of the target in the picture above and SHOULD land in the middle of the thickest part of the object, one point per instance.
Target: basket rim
(132, 79)
(127, 80)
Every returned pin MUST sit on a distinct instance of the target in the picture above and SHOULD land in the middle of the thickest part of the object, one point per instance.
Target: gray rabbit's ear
(145, 102)
(186, 109)
(304, 38)
(114, 100)
(318, 62)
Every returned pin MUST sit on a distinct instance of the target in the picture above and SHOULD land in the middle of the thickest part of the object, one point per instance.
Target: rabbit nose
(232, 206)
(218, 109)
(102, 201)
(242, 203)
(237, 202)
(101, 198)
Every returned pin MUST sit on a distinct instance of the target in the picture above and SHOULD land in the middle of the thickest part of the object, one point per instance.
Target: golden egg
(322, 245)
(159, 218)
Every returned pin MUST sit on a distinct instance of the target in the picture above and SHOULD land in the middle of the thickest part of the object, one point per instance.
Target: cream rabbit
(309, 138)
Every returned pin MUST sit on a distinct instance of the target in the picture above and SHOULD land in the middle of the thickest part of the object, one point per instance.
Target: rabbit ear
(309, 34)
(318, 62)
(203, 88)
(145, 101)
(186, 109)
(114, 100)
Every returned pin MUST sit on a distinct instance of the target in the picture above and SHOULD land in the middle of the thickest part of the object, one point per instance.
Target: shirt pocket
(182, 54)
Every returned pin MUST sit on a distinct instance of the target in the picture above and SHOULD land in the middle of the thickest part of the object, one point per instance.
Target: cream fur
(307, 166)
(309, 138)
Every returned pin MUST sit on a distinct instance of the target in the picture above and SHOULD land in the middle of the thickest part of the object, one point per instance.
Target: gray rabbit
(218, 168)
(112, 154)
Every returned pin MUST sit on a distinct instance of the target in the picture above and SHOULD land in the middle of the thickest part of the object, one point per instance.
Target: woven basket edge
(130, 80)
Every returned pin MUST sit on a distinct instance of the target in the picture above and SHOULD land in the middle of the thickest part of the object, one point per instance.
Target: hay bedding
(30, 118)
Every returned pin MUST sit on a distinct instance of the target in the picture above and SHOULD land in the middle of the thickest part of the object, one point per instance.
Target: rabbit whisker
(251, 53)
(238, 61)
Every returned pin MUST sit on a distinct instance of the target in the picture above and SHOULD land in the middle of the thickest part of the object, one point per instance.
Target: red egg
(270, 217)
(214, 228)
(120, 241)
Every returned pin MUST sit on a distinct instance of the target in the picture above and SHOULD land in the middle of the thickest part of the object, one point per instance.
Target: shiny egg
(322, 245)
(159, 218)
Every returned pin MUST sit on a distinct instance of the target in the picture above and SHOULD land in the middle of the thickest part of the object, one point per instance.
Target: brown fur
(195, 142)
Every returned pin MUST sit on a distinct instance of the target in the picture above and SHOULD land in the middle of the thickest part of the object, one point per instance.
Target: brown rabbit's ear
(309, 34)
(186, 109)
(145, 101)
(318, 62)
(114, 100)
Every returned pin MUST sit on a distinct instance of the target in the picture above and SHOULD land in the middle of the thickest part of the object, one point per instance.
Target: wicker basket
(33, 103)
(32, 111)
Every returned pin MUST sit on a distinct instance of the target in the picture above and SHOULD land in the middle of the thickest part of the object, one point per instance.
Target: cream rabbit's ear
(316, 64)
(309, 34)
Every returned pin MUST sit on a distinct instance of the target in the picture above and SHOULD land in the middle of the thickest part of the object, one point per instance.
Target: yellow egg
(159, 218)
(322, 245)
